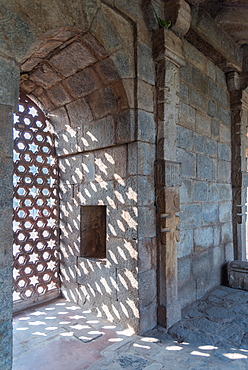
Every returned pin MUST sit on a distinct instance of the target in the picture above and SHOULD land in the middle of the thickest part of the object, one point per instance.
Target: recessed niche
(93, 231)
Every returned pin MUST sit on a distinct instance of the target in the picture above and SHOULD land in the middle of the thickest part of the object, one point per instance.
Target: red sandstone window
(35, 205)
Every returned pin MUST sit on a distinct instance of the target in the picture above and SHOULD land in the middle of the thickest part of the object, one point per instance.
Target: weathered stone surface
(200, 191)
(203, 239)
(58, 95)
(72, 58)
(184, 270)
(147, 254)
(82, 83)
(205, 168)
(9, 82)
(148, 293)
(45, 76)
(238, 275)
(185, 246)
(188, 161)
(190, 216)
(100, 134)
(210, 213)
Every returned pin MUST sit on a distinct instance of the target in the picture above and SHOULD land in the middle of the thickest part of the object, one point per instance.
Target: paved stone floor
(61, 335)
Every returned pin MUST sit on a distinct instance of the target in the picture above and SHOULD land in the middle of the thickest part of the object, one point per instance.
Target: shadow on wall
(72, 76)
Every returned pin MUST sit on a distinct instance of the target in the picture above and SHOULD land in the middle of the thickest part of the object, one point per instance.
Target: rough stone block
(184, 92)
(216, 235)
(205, 168)
(187, 293)
(225, 211)
(82, 83)
(148, 288)
(122, 253)
(224, 152)
(110, 163)
(145, 96)
(97, 275)
(194, 56)
(200, 191)
(224, 171)
(186, 191)
(184, 138)
(6, 344)
(79, 112)
(72, 58)
(186, 116)
(107, 70)
(99, 134)
(146, 191)
(71, 169)
(146, 222)
(225, 133)
(148, 317)
(185, 246)
(122, 222)
(224, 115)
(210, 147)
(147, 254)
(215, 128)
(102, 102)
(199, 81)
(45, 76)
(125, 128)
(203, 238)
(146, 127)
(220, 192)
(217, 93)
(210, 213)
(238, 274)
(184, 270)
(229, 252)
(188, 161)
(185, 73)
(197, 99)
(201, 262)
(211, 108)
(66, 141)
(146, 158)
(207, 281)
(203, 124)
(226, 233)
(145, 64)
(6, 140)
(218, 256)
(190, 216)
(9, 82)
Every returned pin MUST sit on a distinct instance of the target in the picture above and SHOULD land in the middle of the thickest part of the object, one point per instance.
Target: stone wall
(203, 140)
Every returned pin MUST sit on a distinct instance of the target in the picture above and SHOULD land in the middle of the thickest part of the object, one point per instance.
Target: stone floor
(59, 335)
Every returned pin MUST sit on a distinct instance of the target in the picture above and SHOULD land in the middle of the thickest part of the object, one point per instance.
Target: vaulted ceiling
(231, 16)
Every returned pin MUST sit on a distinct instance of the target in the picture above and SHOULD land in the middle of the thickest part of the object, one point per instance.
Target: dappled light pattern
(109, 285)
(65, 335)
(35, 205)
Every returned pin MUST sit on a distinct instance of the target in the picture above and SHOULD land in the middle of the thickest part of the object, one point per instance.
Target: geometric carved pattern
(35, 205)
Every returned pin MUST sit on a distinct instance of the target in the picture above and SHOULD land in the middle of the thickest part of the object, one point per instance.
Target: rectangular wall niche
(93, 231)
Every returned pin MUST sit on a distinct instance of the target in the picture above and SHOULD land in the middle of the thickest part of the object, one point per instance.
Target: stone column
(169, 57)
(239, 165)
(9, 85)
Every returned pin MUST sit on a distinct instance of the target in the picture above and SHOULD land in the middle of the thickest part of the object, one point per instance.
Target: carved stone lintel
(166, 45)
(178, 12)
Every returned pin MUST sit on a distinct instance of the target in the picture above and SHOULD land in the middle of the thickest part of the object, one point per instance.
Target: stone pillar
(9, 85)
(239, 165)
(168, 54)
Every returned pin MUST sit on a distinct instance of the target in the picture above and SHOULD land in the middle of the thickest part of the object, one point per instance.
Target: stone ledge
(238, 274)
(208, 37)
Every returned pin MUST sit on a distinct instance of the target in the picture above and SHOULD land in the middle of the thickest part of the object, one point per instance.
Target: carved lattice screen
(35, 204)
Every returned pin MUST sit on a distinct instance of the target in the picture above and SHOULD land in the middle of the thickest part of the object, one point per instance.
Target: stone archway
(85, 99)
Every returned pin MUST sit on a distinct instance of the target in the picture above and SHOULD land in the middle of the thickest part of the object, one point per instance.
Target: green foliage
(161, 22)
